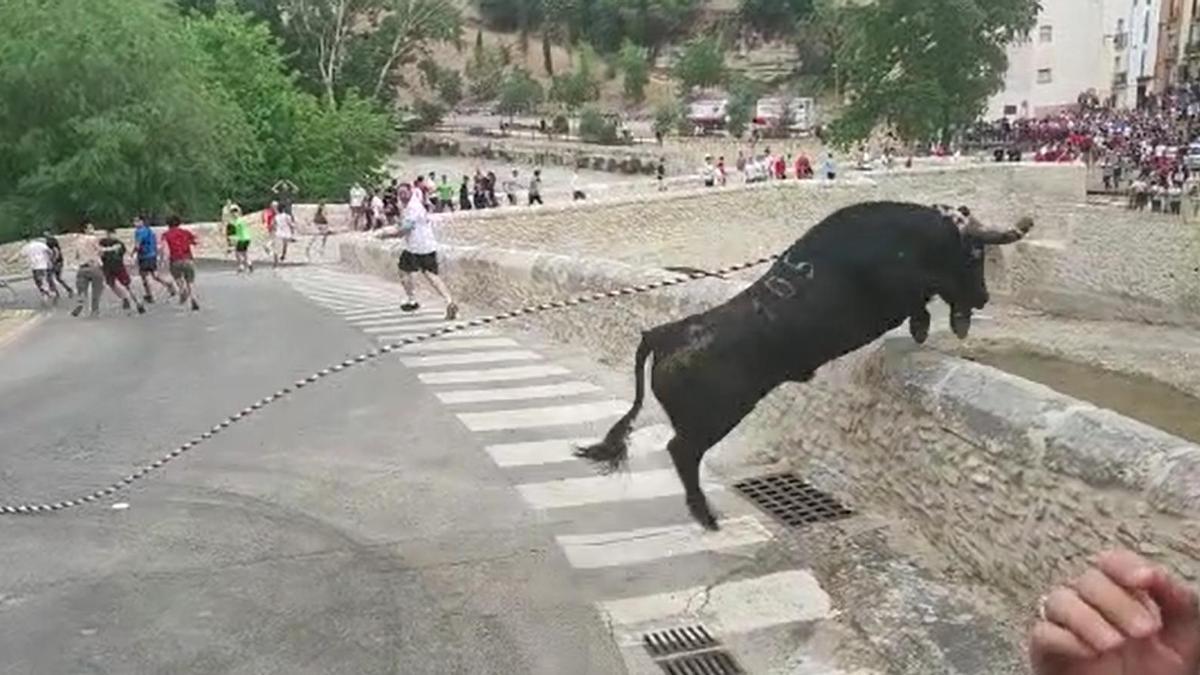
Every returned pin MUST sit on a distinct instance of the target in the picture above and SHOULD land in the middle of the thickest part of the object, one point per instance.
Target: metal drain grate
(690, 650)
(678, 640)
(791, 500)
(705, 663)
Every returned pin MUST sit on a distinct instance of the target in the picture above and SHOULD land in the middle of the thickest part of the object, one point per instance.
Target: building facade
(1106, 47)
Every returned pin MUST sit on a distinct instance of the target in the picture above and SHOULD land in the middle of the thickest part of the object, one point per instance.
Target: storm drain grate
(690, 650)
(791, 499)
(678, 640)
(704, 663)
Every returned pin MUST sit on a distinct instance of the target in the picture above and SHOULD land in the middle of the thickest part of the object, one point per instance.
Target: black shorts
(418, 262)
(147, 264)
(242, 246)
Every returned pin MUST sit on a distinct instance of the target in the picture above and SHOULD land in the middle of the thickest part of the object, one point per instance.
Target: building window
(1045, 33)
(1010, 110)
(1146, 29)
(1044, 76)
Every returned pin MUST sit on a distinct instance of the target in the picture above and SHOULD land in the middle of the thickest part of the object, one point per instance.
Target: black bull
(854, 276)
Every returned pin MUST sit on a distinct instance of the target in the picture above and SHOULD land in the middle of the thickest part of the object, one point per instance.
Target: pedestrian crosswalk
(529, 414)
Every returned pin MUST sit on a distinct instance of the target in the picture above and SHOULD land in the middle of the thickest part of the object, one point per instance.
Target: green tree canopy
(635, 65)
(519, 93)
(107, 109)
(701, 63)
(112, 107)
(580, 85)
(774, 18)
(743, 98)
(926, 67)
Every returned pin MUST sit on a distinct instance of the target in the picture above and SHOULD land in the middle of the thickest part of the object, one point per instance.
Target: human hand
(1122, 616)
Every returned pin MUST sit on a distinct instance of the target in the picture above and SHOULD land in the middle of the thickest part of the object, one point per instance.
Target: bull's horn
(977, 229)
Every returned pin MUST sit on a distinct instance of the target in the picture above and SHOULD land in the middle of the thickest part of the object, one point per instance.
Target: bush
(739, 111)
(594, 128)
(429, 113)
(485, 72)
(580, 86)
(519, 93)
(636, 67)
(668, 118)
(560, 125)
(701, 63)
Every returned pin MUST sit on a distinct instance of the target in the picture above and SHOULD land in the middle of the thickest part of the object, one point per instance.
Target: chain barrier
(26, 509)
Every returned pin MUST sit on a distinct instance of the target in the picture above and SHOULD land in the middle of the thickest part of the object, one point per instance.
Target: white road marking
(641, 442)
(470, 357)
(462, 334)
(396, 321)
(419, 326)
(557, 494)
(609, 549)
(492, 374)
(514, 393)
(733, 607)
(550, 416)
(392, 310)
(456, 345)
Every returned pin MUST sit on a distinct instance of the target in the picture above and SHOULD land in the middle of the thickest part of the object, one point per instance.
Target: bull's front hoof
(961, 325)
(919, 330)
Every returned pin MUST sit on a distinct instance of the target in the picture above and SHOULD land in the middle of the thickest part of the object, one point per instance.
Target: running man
(179, 242)
(420, 253)
(241, 242)
(57, 261)
(535, 187)
(146, 245)
(89, 279)
(116, 275)
(285, 232)
(322, 224)
(41, 260)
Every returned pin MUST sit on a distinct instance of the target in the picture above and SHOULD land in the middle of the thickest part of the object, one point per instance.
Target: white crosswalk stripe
(641, 442)
(609, 549)
(470, 357)
(378, 325)
(729, 608)
(569, 492)
(549, 416)
(492, 374)
(457, 345)
(392, 310)
(457, 335)
(515, 393)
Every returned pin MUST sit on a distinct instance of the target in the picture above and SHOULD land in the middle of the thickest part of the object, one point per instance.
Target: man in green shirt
(241, 241)
(445, 193)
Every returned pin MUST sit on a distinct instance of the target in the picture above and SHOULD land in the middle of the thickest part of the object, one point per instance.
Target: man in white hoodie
(420, 251)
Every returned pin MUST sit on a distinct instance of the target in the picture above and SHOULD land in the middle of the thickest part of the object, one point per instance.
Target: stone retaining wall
(1010, 479)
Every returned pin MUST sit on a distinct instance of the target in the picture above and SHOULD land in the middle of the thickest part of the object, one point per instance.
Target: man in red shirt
(179, 244)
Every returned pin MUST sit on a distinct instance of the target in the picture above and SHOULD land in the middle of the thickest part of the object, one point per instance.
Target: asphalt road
(352, 528)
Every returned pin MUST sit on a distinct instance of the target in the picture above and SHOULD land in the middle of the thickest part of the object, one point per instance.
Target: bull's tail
(612, 452)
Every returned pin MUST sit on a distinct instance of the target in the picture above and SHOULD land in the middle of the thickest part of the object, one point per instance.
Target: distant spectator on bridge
(722, 173)
(512, 187)
(708, 173)
(464, 194)
(660, 174)
(780, 168)
(535, 187)
(828, 167)
(804, 169)
(358, 201)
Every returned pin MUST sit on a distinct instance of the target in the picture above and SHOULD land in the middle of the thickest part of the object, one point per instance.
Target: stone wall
(1012, 480)
(1086, 261)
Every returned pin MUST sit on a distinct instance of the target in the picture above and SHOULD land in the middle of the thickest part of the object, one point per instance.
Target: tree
(701, 63)
(485, 72)
(743, 98)
(926, 67)
(580, 86)
(773, 18)
(594, 127)
(519, 93)
(446, 82)
(91, 130)
(667, 117)
(635, 65)
(325, 27)
(403, 30)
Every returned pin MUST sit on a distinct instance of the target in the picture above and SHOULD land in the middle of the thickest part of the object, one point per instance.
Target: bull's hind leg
(686, 456)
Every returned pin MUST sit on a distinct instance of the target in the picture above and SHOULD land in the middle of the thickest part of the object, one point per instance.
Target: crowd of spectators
(1142, 152)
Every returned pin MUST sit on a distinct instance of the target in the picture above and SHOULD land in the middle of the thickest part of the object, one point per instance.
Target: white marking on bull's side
(514, 393)
(568, 492)
(642, 441)
(492, 374)
(609, 549)
(549, 416)
(470, 357)
(734, 607)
